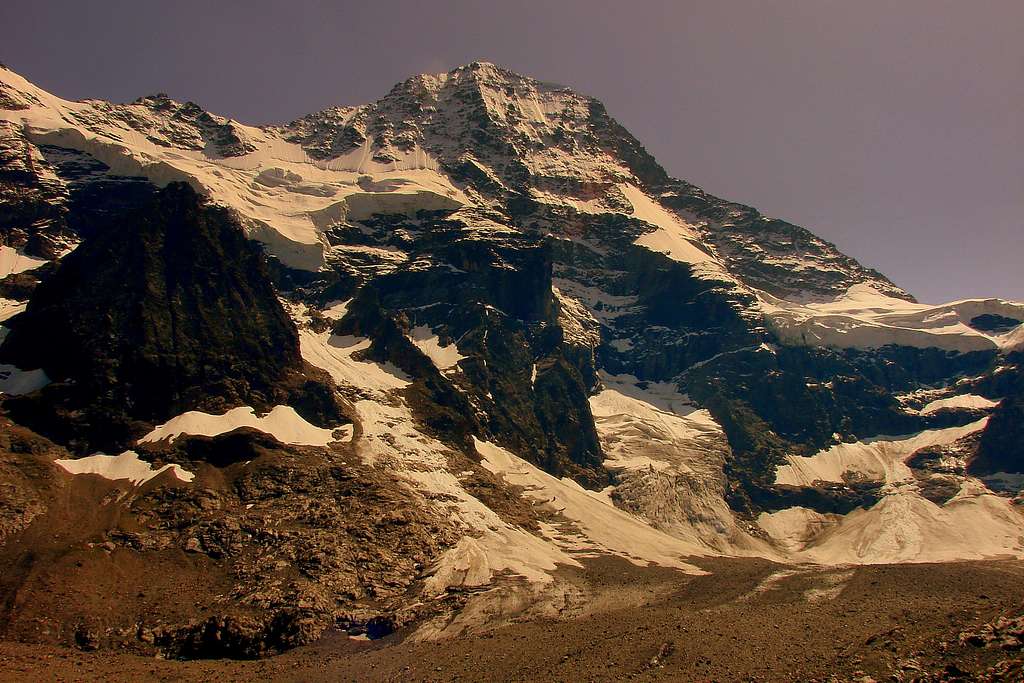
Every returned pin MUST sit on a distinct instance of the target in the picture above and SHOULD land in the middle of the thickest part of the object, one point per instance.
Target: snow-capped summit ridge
(479, 134)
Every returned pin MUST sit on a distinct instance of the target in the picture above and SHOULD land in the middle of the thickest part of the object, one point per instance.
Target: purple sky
(894, 129)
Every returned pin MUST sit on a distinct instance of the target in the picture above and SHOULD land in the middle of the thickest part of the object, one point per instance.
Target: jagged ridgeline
(452, 339)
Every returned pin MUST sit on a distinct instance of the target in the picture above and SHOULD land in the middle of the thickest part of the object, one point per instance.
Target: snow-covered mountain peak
(543, 155)
(485, 333)
(480, 114)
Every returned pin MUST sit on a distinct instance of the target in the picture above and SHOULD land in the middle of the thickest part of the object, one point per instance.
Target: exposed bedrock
(167, 309)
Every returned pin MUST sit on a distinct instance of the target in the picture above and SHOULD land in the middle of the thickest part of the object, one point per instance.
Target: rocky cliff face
(169, 308)
(476, 311)
(32, 198)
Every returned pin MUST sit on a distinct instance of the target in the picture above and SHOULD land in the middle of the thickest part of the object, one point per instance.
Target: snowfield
(903, 526)
(961, 401)
(864, 318)
(337, 355)
(878, 459)
(444, 357)
(674, 237)
(596, 524)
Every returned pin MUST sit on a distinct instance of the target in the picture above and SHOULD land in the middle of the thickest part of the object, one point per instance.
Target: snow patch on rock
(335, 310)
(15, 382)
(10, 308)
(283, 423)
(127, 465)
(444, 357)
(337, 355)
(14, 261)
(961, 401)
(674, 237)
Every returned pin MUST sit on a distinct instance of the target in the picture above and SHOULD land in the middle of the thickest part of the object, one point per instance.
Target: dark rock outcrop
(1001, 448)
(168, 309)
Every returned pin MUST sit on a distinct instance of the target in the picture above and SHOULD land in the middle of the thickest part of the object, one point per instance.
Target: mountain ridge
(481, 298)
(347, 135)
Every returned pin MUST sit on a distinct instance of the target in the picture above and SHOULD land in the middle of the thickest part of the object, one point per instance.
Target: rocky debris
(1003, 633)
(306, 539)
(1006, 633)
(86, 638)
(664, 652)
(328, 528)
(25, 474)
(233, 636)
(626, 613)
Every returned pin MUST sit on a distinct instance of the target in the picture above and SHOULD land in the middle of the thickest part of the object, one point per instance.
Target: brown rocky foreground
(747, 620)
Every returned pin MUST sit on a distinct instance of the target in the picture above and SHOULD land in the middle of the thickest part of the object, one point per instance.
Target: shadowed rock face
(990, 322)
(799, 399)
(522, 384)
(168, 309)
(1001, 448)
(1001, 444)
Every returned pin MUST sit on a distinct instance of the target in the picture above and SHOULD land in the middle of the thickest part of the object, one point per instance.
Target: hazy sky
(894, 129)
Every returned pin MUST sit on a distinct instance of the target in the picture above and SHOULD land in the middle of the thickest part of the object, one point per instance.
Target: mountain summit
(372, 368)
